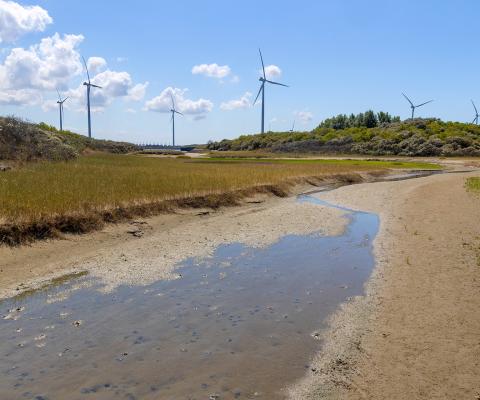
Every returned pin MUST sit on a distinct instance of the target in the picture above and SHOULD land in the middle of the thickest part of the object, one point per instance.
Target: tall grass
(102, 182)
(108, 181)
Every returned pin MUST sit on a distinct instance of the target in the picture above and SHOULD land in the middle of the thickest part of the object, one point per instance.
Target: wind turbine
(173, 111)
(475, 120)
(60, 109)
(293, 126)
(412, 106)
(264, 79)
(89, 85)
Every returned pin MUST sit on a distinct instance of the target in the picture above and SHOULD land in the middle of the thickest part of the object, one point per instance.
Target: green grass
(105, 181)
(473, 184)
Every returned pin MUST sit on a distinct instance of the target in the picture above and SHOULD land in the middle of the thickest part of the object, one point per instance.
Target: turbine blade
(258, 94)
(173, 102)
(474, 106)
(429, 101)
(59, 97)
(275, 83)
(404, 95)
(86, 68)
(263, 65)
(91, 84)
(178, 112)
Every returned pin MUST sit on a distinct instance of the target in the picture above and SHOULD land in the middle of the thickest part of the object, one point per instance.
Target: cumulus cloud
(137, 92)
(304, 116)
(44, 66)
(50, 65)
(96, 64)
(235, 104)
(17, 20)
(113, 85)
(20, 97)
(212, 70)
(272, 71)
(163, 102)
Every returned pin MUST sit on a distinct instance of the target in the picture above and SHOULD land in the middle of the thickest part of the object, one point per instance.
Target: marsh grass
(473, 184)
(43, 199)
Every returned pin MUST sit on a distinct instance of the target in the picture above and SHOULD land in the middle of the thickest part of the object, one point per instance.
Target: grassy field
(473, 184)
(84, 191)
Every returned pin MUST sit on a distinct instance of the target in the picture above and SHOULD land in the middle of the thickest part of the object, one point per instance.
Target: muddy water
(238, 325)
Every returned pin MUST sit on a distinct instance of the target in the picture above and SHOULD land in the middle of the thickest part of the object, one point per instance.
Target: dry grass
(42, 199)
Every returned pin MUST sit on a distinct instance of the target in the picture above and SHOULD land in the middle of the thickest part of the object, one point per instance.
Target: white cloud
(272, 71)
(44, 66)
(20, 97)
(26, 74)
(113, 84)
(121, 59)
(163, 102)
(17, 20)
(235, 104)
(212, 70)
(304, 116)
(96, 65)
(137, 92)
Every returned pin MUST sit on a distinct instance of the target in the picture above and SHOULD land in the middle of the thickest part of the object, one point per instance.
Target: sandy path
(416, 335)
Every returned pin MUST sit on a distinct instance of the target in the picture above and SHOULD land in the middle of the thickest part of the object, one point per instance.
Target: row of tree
(368, 119)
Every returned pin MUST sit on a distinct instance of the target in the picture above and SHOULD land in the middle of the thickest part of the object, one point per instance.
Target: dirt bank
(415, 335)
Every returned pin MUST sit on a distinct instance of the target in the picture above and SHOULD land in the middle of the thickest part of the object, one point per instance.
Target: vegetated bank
(25, 141)
(44, 199)
(367, 134)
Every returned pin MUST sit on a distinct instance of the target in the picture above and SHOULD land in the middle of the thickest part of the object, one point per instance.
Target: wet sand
(415, 335)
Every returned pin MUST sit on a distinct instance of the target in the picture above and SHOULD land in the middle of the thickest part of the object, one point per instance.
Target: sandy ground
(416, 333)
(145, 251)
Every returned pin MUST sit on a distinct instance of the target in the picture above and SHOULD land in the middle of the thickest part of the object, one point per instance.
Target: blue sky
(337, 57)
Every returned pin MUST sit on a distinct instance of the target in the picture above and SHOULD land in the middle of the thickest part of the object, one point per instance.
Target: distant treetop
(368, 119)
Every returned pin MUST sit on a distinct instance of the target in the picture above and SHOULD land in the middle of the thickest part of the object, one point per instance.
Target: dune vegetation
(25, 141)
(368, 134)
(41, 199)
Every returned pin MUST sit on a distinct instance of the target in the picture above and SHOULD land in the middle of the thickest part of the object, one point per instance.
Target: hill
(24, 141)
(412, 137)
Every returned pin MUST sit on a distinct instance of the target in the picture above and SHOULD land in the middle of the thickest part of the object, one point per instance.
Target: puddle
(238, 325)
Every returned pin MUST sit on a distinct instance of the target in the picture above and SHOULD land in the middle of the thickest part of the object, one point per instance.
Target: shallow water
(238, 325)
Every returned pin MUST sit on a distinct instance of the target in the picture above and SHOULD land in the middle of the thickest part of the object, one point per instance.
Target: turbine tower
(173, 111)
(475, 120)
(89, 85)
(293, 126)
(60, 109)
(264, 79)
(412, 106)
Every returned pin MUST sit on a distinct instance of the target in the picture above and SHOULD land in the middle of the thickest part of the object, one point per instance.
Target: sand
(416, 332)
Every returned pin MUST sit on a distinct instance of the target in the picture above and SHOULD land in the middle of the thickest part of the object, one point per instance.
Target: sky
(341, 56)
